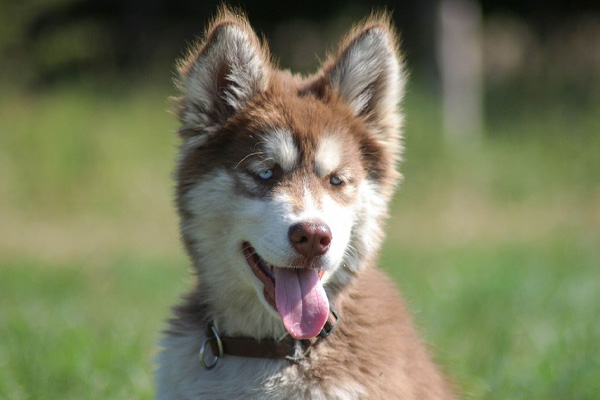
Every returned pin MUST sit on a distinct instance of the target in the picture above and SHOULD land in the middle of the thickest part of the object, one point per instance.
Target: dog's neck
(244, 314)
(239, 315)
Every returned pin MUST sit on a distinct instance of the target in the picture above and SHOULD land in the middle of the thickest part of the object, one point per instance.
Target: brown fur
(376, 330)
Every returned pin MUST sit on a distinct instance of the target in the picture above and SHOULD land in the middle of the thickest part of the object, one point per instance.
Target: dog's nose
(310, 239)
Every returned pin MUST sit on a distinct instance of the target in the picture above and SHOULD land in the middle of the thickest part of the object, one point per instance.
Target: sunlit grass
(494, 245)
(509, 321)
(82, 331)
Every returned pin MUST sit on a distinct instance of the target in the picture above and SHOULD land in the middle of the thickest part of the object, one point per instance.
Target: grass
(513, 321)
(494, 245)
(80, 331)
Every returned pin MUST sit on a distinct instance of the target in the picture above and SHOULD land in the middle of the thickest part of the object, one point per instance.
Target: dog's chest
(182, 377)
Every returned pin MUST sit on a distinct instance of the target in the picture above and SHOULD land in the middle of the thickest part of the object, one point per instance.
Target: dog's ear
(367, 73)
(221, 75)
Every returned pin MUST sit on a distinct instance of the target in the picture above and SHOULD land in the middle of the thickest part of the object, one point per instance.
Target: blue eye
(335, 180)
(266, 174)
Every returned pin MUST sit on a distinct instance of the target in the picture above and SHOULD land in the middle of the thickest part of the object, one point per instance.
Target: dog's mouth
(263, 271)
(297, 294)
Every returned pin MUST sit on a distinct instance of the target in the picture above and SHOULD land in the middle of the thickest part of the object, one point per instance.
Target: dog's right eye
(266, 174)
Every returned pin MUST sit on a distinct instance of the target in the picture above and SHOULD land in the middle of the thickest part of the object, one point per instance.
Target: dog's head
(283, 182)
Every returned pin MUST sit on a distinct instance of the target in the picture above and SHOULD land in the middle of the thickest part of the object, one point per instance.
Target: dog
(282, 188)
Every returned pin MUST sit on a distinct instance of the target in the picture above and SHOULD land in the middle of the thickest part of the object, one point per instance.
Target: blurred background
(494, 237)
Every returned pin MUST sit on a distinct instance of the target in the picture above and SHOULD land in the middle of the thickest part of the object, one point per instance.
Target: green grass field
(495, 245)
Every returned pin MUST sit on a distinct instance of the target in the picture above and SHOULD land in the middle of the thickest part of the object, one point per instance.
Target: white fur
(280, 148)
(219, 235)
(367, 233)
(328, 156)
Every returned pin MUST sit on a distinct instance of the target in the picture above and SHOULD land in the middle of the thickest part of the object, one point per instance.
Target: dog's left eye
(266, 174)
(336, 180)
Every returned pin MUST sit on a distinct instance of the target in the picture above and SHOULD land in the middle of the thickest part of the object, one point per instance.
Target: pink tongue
(301, 301)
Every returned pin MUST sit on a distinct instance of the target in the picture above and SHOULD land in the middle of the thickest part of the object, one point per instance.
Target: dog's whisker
(259, 143)
(248, 156)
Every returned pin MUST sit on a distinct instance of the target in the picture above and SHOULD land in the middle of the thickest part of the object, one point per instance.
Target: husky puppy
(283, 184)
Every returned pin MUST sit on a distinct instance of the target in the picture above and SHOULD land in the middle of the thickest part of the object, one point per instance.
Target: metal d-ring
(203, 347)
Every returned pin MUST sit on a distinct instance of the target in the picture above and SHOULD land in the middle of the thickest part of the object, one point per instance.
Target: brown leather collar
(287, 347)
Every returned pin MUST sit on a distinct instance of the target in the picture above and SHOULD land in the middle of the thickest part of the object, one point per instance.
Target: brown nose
(310, 239)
